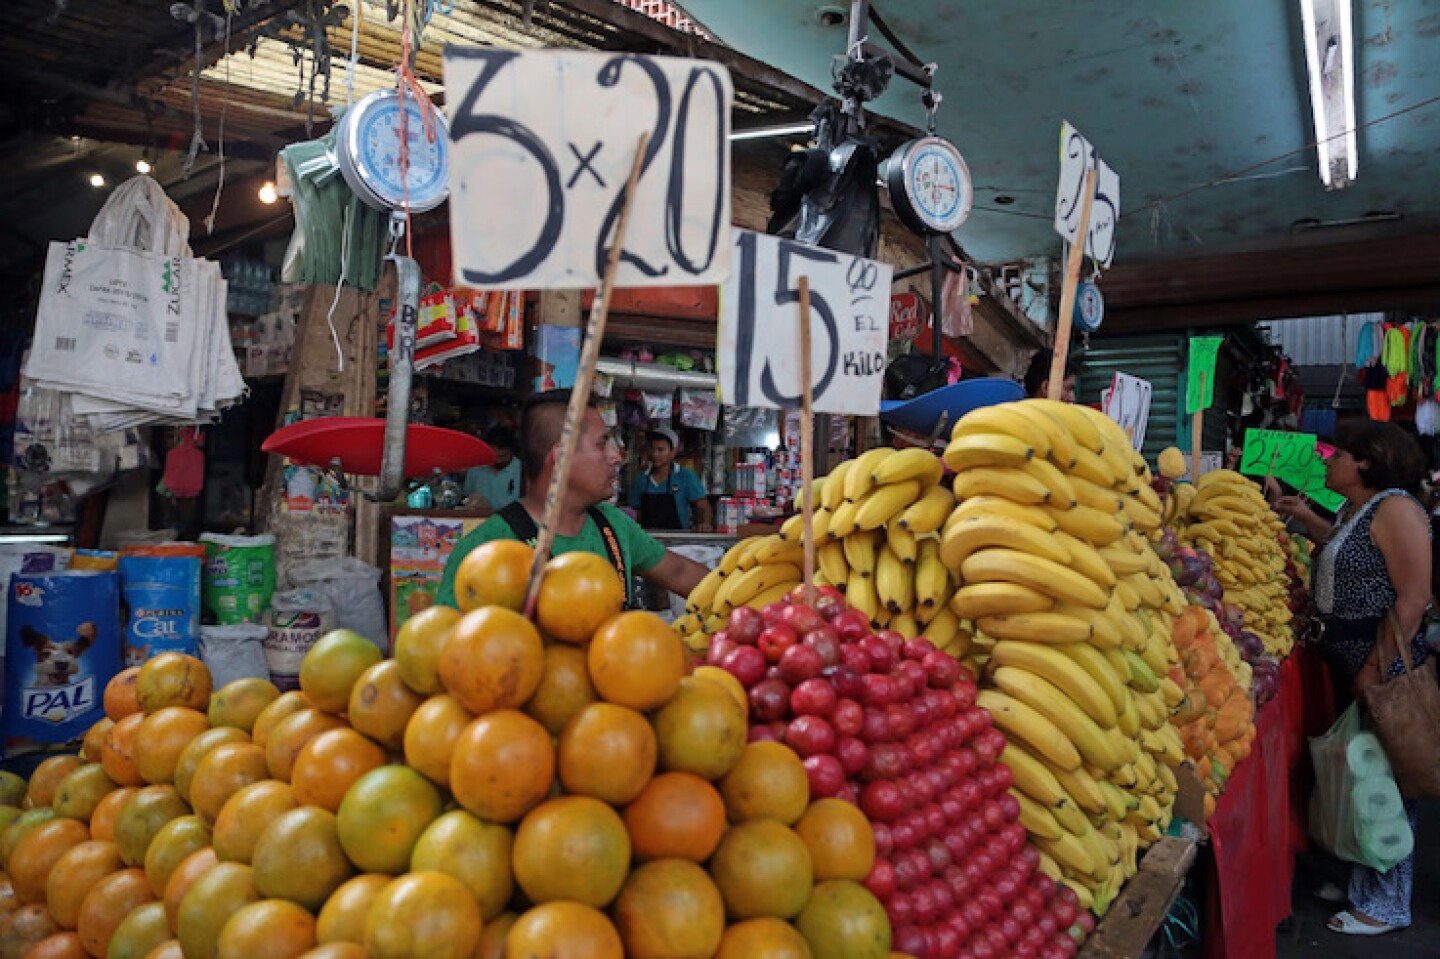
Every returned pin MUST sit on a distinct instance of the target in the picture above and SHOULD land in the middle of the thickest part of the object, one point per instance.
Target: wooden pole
(807, 442)
(1067, 292)
(1197, 425)
(580, 393)
(1275, 455)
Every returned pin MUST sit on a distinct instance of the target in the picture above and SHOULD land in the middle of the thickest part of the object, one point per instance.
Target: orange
(75, 874)
(272, 928)
(473, 851)
(563, 930)
(503, 765)
(677, 816)
(95, 738)
(217, 895)
(291, 702)
(423, 914)
(222, 772)
(381, 704)
(195, 751)
(337, 950)
(762, 869)
(343, 917)
(142, 818)
(418, 644)
(669, 908)
(23, 928)
(46, 778)
(636, 660)
(564, 689)
(431, 734)
(840, 840)
(246, 815)
(608, 752)
(298, 857)
(170, 949)
(493, 660)
(173, 679)
(118, 753)
(38, 851)
(162, 737)
(107, 905)
(290, 736)
(12, 788)
(769, 782)
(20, 826)
(383, 815)
(81, 791)
(572, 848)
(701, 730)
(492, 937)
(183, 878)
(239, 703)
(714, 674)
(172, 845)
(139, 933)
(842, 918)
(102, 821)
(329, 764)
(61, 945)
(762, 939)
(329, 671)
(579, 592)
(120, 694)
(496, 573)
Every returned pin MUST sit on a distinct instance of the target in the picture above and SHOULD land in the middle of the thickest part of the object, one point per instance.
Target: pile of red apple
(892, 725)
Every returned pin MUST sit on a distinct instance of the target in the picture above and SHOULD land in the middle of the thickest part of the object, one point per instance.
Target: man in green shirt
(584, 508)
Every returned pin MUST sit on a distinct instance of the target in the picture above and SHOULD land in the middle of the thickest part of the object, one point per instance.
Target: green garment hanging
(333, 219)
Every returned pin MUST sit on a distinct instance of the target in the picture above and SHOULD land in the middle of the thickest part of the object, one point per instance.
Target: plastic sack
(1355, 811)
(239, 578)
(298, 618)
(160, 586)
(234, 652)
(354, 588)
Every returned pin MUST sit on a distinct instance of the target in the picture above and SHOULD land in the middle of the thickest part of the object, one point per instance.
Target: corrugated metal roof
(1321, 340)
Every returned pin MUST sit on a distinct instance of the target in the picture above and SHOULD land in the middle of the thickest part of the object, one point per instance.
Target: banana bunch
(1228, 517)
(1071, 611)
(755, 572)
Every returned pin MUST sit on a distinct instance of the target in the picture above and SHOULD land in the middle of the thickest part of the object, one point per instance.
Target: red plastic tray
(358, 442)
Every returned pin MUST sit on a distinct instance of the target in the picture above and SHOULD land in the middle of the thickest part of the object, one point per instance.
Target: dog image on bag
(58, 664)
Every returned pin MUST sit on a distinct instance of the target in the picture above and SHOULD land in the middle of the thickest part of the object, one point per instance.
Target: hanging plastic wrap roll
(1366, 757)
(1377, 800)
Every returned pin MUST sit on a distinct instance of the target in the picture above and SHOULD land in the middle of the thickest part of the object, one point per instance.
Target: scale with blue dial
(930, 186)
(368, 153)
(1089, 307)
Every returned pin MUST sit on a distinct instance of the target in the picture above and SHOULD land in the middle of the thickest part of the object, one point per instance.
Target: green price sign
(1200, 390)
(1294, 460)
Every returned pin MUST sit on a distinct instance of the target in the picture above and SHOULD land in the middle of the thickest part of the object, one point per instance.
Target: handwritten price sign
(760, 332)
(542, 143)
(1077, 157)
(1297, 462)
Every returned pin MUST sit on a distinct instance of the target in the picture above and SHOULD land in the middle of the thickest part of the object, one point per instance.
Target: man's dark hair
(501, 437)
(1396, 460)
(1038, 372)
(542, 419)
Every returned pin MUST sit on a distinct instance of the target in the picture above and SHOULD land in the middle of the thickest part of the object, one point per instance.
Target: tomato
(814, 697)
(769, 700)
(813, 736)
(775, 639)
(851, 624)
(801, 662)
(882, 881)
(941, 669)
(744, 625)
(745, 663)
(825, 773)
(882, 657)
(721, 646)
(883, 801)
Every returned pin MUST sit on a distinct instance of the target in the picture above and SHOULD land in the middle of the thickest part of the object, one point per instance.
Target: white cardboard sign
(1077, 157)
(541, 146)
(1127, 402)
(759, 340)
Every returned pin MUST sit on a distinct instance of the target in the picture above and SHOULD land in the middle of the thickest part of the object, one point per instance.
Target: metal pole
(402, 373)
(937, 293)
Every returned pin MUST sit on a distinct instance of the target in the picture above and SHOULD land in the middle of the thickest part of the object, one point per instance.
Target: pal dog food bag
(161, 589)
(62, 646)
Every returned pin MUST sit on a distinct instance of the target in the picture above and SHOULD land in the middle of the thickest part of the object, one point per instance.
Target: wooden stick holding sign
(1197, 425)
(1067, 292)
(580, 392)
(807, 443)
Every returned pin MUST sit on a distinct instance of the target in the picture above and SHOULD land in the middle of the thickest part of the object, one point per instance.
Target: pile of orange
(501, 789)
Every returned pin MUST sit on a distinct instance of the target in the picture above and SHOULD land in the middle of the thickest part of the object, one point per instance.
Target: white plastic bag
(1355, 812)
(354, 588)
(234, 652)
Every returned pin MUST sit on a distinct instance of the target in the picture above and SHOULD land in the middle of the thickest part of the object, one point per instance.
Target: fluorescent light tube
(762, 133)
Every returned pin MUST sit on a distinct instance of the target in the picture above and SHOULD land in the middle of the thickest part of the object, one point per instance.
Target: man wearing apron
(668, 495)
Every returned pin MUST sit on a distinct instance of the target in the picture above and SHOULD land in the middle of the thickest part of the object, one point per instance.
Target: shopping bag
(1356, 813)
(1406, 712)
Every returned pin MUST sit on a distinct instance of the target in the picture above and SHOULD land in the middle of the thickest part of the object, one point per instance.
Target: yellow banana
(1118, 803)
(1149, 497)
(1129, 599)
(1082, 788)
(1146, 589)
(1129, 716)
(1086, 561)
(1223, 476)
(894, 581)
(772, 595)
(981, 600)
(1123, 560)
(1074, 421)
(1012, 484)
(1095, 664)
(959, 646)
(904, 623)
(1048, 866)
(984, 532)
(1007, 420)
(1166, 775)
(1141, 676)
(832, 494)
(1037, 820)
(831, 557)
(750, 558)
(1116, 456)
(860, 593)
(915, 463)
(985, 506)
(1092, 742)
(1093, 467)
(975, 450)
(1170, 692)
(793, 529)
(779, 551)
(860, 550)
(1047, 576)
(843, 520)
(1062, 493)
(941, 627)
(702, 597)
(883, 503)
(739, 589)
(1022, 722)
(1044, 627)
(1151, 708)
(1051, 663)
(902, 542)
(1062, 444)
(1144, 518)
(1034, 777)
(928, 513)
(1088, 493)
(1091, 525)
(1073, 854)
(932, 579)
(731, 560)
(860, 478)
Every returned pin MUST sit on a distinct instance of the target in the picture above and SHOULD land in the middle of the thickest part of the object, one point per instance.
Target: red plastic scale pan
(358, 441)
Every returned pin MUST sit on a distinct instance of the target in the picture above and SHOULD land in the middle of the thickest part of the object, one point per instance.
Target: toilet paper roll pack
(1366, 757)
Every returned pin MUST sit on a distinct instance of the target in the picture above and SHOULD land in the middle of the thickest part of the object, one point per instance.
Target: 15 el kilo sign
(541, 145)
(760, 326)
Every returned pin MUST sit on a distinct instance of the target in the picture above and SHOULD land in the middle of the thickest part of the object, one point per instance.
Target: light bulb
(96, 180)
(268, 194)
(142, 166)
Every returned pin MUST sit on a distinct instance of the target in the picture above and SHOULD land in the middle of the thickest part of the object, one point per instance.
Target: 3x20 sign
(1077, 157)
(541, 146)
(759, 339)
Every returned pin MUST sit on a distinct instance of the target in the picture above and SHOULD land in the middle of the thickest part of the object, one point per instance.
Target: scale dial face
(930, 185)
(370, 138)
(1089, 307)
